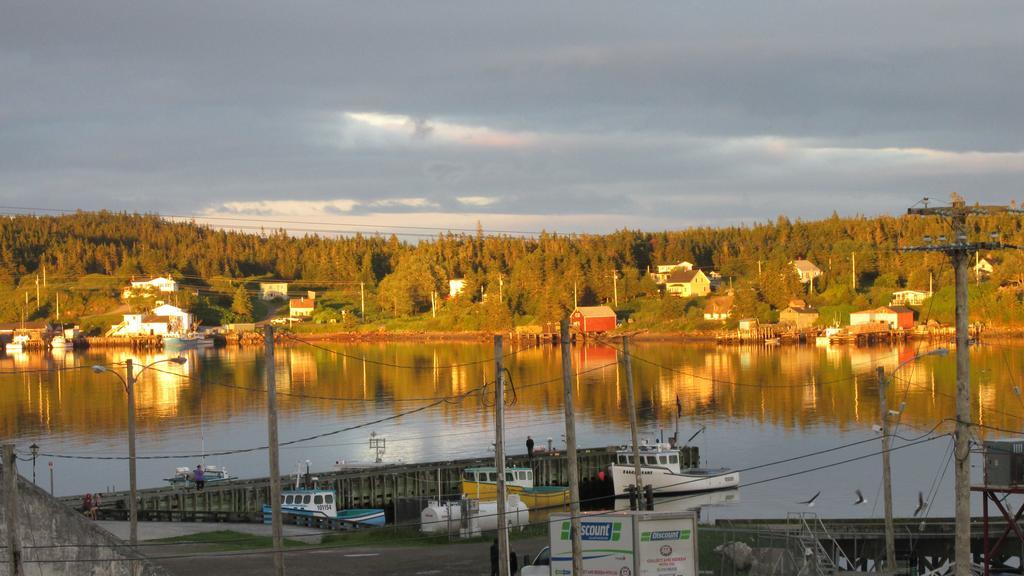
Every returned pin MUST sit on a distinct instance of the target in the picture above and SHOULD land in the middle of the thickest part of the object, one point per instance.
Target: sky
(572, 116)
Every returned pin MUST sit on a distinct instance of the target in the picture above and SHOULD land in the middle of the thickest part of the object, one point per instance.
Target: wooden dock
(371, 487)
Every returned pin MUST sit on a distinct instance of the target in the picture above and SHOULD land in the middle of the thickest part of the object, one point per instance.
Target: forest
(84, 259)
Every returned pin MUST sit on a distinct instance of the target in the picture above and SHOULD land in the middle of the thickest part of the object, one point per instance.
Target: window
(520, 475)
(288, 499)
(468, 475)
(492, 476)
(306, 499)
(544, 558)
(673, 459)
(663, 459)
(318, 499)
(329, 498)
(529, 474)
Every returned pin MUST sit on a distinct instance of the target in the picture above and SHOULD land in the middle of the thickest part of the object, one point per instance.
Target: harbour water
(758, 406)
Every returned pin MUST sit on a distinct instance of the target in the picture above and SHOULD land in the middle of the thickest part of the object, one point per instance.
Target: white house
(984, 267)
(271, 290)
(162, 320)
(908, 298)
(149, 285)
(456, 286)
(806, 270)
(301, 307)
(663, 271)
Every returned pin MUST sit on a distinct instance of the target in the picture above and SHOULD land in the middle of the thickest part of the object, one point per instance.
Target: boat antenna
(699, 430)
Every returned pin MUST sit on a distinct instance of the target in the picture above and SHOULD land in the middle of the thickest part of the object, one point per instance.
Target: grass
(413, 537)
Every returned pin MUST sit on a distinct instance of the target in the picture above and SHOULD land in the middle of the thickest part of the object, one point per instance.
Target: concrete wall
(80, 546)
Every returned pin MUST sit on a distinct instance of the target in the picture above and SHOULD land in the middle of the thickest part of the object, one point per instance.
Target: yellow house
(688, 284)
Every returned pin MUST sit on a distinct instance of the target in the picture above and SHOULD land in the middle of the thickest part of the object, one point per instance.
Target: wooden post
(638, 476)
(499, 456)
(11, 510)
(570, 451)
(275, 467)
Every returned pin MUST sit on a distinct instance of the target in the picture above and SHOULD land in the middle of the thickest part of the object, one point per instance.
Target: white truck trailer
(667, 546)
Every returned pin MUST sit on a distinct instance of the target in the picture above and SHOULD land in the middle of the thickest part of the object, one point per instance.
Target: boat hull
(535, 498)
(351, 516)
(666, 482)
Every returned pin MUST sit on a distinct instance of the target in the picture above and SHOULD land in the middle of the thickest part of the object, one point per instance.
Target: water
(759, 405)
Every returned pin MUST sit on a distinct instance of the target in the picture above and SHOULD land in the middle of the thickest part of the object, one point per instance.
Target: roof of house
(682, 276)
(301, 303)
(806, 266)
(595, 311)
(719, 304)
(886, 309)
(910, 292)
(797, 303)
(800, 309)
(154, 319)
(269, 284)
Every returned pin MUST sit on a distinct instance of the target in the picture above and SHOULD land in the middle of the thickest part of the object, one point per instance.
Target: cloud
(478, 200)
(404, 202)
(376, 125)
(285, 207)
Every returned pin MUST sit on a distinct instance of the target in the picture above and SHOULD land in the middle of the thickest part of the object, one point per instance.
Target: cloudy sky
(568, 116)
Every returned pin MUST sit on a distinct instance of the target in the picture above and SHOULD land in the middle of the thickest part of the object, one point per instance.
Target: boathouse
(593, 319)
(896, 317)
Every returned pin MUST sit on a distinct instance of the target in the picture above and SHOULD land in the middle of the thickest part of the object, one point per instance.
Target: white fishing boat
(185, 476)
(307, 504)
(204, 341)
(17, 344)
(661, 469)
(826, 337)
(59, 342)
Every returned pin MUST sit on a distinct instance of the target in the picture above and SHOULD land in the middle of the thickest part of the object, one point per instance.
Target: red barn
(591, 319)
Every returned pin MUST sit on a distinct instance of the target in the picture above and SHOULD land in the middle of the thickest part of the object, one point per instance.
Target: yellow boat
(482, 483)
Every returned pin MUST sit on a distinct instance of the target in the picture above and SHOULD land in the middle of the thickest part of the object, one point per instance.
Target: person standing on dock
(529, 447)
(198, 478)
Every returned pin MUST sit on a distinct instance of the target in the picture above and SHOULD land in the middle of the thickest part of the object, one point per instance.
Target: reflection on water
(758, 405)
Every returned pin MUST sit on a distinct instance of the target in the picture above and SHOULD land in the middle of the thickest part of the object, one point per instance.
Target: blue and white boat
(175, 341)
(318, 508)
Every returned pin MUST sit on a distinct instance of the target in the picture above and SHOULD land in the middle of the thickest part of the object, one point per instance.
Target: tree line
(89, 256)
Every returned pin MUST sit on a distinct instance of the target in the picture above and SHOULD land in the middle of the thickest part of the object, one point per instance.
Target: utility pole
(959, 251)
(133, 497)
(638, 477)
(433, 306)
(853, 271)
(575, 297)
(37, 290)
(890, 532)
(615, 287)
(11, 510)
(362, 302)
(570, 451)
(499, 456)
(275, 467)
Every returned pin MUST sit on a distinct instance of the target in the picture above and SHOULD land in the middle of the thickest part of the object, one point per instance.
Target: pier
(373, 486)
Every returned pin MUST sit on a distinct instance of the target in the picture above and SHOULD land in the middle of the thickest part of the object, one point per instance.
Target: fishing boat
(826, 337)
(204, 341)
(661, 469)
(59, 342)
(184, 477)
(482, 483)
(178, 341)
(17, 344)
(306, 504)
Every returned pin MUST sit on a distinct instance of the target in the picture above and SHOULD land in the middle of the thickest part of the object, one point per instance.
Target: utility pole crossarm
(971, 247)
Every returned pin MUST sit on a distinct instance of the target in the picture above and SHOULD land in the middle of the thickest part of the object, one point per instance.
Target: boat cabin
(657, 455)
(315, 501)
(522, 477)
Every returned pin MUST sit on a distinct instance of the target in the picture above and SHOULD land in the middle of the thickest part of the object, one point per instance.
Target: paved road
(456, 559)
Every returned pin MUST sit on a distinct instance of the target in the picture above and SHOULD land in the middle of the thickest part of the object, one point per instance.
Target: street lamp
(129, 387)
(35, 453)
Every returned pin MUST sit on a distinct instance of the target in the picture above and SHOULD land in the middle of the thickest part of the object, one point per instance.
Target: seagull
(810, 503)
(921, 504)
(860, 498)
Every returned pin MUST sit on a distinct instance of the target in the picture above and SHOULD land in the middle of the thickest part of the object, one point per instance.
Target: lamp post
(890, 531)
(35, 453)
(129, 387)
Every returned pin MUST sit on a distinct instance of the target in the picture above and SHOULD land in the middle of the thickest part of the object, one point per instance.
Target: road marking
(360, 555)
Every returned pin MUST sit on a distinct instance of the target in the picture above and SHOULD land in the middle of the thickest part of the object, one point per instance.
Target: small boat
(59, 342)
(175, 341)
(17, 344)
(482, 483)
(184, 476)
(826, 337)
(204, 341)
(660, 467)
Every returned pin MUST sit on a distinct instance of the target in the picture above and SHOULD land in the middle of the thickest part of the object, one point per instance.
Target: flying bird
(860, 498)
(810, 502)
(921, 504)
